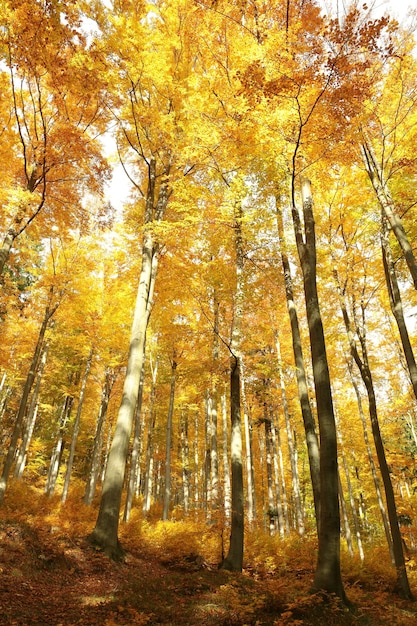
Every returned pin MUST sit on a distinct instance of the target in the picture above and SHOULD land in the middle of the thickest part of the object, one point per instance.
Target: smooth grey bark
(280, 477)
(185, 461)
(350, 494)
(234, 558)
(207, 455)
(396, 303)
(226, 470)
(292, 451)
(348, 534)
(109, 380)
(30, 378)
(58, 448)
(105, 533)
(136, 449)
(328, 576)
(31, 419)
(362, 363)
(196, 466)
(272, 500)
(303, 395)
(250, 475)
(147, 488)
(374, 473)
(383, 194)
(167, 483)
(76, 427)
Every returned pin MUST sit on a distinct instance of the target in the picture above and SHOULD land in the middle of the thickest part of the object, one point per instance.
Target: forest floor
(50, 575)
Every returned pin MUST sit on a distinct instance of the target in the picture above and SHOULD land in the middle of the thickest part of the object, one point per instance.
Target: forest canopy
(230, 334)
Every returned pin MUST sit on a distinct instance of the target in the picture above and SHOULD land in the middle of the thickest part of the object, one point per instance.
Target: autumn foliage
(200, 197)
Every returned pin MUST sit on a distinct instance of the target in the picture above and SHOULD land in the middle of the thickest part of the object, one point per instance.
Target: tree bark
(110, 378)
(76, 427)
(234, 558)
(31, 419)
(396, 304)
(167, 485)
(328, 576)
(136, 449)
(49, 312)
(376, 176)
(362, 362)
(105, 533)
(306, 410)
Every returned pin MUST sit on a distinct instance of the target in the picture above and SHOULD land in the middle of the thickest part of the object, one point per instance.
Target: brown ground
(50, 575)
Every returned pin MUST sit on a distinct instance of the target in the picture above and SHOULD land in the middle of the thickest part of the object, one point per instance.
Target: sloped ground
(50, 575)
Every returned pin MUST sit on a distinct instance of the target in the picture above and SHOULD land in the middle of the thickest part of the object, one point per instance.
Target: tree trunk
(396, 304)
(58, 447)
(110, 378)
(298, 512)
(167, 485)
(306, 411)
(362, 362)
(136, 449)
(147, 488)
(250, 478)
(185, 460)
(226, 471)
(386, 202)
(234, 558)
(31, 420)
(328, 576)
(76, 427)
(105, 533)
(49, 312)
(375, 479)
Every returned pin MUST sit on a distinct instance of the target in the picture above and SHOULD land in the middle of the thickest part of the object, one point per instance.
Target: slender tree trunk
(105, 533)
(278, 459)
(185, 460)
(110, 378)
(196, 465)
(226, 471)
(234, 558)
(362, 362)
(375, 479)
(272, 509)
(346, 524)
(147, 488)
(76, 427)
(136, 449)
(167, 486)
(250, 478)
(350, 493)
(207, 455)
(31, 420)
(396, 304)
(295, 480)
(58, 447)
(306, 410)
(386, 202)
(328, 576)
(49, 311)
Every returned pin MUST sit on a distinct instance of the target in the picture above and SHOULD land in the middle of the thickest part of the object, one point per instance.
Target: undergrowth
(171, 576)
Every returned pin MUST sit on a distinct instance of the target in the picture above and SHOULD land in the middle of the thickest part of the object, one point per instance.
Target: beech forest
(208, 313)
